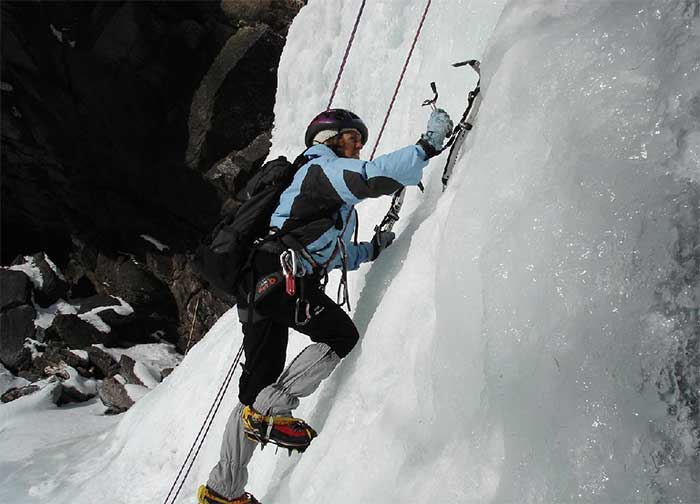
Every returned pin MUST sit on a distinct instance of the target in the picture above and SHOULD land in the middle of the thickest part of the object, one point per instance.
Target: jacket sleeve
(357, 254)
(383, 176)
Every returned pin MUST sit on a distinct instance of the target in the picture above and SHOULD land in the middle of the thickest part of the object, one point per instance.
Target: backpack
(221, 257)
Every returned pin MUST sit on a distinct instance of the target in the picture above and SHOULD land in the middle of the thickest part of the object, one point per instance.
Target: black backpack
(221, 257)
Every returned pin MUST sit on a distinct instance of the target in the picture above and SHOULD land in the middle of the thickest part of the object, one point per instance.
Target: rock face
(16, 325)
(111, 114)
(15, 289)
(74, 332)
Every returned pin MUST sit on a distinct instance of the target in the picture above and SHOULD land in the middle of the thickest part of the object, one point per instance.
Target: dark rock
(70, 394)
(105, 365)
(166, 372)
(15, 289)
(74, 360)
(30, 375)
(75, 332)
(231, 174)
(16, 325)
(53, 286)
(113, 395)
(17, 392)
(49, 359)
(100, 109)
(126, 364)
(59, 357)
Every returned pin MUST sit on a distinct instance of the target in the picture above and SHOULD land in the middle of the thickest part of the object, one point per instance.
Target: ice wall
(569, 261)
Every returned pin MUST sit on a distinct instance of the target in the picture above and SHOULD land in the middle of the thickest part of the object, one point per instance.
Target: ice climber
(284, 289)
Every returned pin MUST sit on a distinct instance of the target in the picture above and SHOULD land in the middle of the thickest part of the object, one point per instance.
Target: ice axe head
(433, 100)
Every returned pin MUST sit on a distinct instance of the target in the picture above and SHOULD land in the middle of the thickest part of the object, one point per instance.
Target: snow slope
(532, 334)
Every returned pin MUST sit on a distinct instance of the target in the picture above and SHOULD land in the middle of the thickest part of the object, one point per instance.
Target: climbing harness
(201, 435)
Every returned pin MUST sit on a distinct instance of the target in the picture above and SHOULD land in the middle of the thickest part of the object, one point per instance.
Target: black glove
(380, 241)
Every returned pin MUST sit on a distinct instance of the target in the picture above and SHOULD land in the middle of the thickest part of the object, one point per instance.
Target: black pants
(265, 341)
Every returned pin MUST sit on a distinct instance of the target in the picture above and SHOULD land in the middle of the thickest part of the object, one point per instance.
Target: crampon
(287, 432)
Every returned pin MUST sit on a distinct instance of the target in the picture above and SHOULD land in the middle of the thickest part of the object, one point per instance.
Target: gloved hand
(380, 241)
(439, 127)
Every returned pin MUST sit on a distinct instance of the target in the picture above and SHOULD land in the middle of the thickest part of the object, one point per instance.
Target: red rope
(347, 52)
(398, 85)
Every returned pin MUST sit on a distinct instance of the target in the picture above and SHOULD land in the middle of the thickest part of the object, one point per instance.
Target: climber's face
(349, 144)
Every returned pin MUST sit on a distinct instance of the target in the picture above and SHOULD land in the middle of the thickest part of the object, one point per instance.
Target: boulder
(105, 365)
(70, 394)
(113, 395)
(127, 364)
(17, 392)
(15, 289)
(74, 388)
(49, 284)
(30, 375)
(111, 310)
(78, 359)
(9, 381)
(16, 325)
(75, 332)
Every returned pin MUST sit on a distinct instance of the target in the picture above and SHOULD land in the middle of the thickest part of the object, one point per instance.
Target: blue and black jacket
(318, 207)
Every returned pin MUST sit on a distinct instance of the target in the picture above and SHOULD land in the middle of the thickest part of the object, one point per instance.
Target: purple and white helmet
(331, 123)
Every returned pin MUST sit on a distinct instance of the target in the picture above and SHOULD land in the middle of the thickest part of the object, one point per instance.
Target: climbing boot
(206, 495)
(284, 431)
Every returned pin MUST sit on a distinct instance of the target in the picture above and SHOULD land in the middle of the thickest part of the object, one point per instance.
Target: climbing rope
(203, 431)
(347, 52)
(398, 85)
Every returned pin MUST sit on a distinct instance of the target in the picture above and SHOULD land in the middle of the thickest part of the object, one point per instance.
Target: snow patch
(148, 375)
(87, 386)
(34, 347)
(135, 392)
(53, 266)
(80, 353)
(30, 269)
(92, 317)
(157, 244)
(45, 316)
(156, 356)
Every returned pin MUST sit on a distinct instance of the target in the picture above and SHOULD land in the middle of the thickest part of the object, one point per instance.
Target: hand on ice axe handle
(439, 127)
(381, 240)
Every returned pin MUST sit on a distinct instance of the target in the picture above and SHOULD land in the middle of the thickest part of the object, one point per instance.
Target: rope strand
(347, 52)
(398, 85)
(203, 431)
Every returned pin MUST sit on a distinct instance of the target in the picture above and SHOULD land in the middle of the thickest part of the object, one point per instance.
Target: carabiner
(307, 313)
